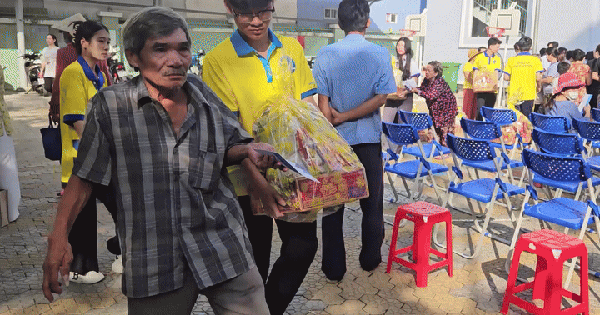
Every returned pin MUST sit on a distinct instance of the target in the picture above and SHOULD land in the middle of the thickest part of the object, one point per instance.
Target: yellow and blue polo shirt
(523, 70)
(75, 91)
(247, 82)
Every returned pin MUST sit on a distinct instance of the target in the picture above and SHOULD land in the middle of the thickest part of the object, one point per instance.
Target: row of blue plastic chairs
(561, 165)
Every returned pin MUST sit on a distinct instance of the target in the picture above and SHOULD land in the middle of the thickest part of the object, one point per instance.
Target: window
(331, 14)
(476, 16)
(391, 18)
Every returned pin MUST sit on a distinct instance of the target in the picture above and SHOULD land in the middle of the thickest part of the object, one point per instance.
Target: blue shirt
(566, 109)
(351, 72)
(552, 71)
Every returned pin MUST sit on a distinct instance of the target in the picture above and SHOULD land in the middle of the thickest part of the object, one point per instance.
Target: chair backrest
(548, 123)
(558, 143)
(501, 116)
(589, 130)
(596, 114)
(420, 121)
(475, 150)
(400, 134)
(487, 130)
(556, 168)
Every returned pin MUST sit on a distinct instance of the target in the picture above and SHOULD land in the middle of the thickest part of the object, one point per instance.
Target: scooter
(33, 66)
(117, 70)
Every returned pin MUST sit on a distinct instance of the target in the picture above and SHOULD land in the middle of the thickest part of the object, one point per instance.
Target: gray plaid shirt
(175, 201)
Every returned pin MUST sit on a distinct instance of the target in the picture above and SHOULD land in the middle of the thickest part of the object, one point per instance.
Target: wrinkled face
(254, 24)
(50, 40)
(494, 48)
(400, 47)
(429, 72)
(164, 60)
(97, 47)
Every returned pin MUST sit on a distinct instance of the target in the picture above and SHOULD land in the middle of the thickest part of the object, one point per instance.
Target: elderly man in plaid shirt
(163, 141)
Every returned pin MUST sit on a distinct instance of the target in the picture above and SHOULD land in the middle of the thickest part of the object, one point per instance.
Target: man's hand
(262, 195)
(59, 258)
(415, 90)
(262, 161)
(337, 117)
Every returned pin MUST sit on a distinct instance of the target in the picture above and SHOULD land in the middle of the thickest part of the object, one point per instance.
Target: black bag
(51, 141)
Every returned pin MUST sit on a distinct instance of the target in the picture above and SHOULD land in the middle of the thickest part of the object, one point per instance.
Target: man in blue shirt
(353, 79)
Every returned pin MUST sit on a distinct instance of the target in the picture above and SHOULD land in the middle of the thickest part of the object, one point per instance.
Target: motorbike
(33, 66)
(117, 70)
(197, 61)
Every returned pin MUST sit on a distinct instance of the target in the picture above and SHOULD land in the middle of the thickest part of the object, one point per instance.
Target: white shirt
(48, 55)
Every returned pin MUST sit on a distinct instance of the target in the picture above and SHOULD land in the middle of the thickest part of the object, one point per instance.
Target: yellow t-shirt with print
(247, 82)
(523, 70)
(75, 91)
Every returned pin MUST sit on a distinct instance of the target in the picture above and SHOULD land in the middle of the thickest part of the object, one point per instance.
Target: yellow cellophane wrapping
(302, 135)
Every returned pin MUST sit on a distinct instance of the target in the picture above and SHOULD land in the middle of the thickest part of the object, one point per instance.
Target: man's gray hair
(148, 23)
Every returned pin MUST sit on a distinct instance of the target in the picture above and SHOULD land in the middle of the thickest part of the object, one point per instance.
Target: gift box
(331, 190)
(485, 81)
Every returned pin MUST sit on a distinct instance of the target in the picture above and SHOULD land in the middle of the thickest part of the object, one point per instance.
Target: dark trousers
(298, 250)
(525, 108)
(487, 99)
(83, 236)
(334, 253)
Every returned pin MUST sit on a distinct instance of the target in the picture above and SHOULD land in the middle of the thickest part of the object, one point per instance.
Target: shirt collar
(486, 54)
(354, 37)
(195, 97)
(242, 48)
(524, 53)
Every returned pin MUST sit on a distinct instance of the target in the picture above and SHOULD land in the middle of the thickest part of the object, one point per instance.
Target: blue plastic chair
(548, 123)
(566, 212)
(501, 116)
(483, 190)
(596, 114)
(422, 121)
(563, 144)
(405, 135)
(487, 130)
(588, 130)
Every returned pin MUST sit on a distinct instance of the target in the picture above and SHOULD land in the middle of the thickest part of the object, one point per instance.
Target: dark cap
(247, 5)
(494, 41)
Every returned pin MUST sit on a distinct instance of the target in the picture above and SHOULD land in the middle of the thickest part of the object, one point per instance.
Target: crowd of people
(172, 157)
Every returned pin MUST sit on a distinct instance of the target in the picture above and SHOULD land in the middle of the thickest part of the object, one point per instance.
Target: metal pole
(21, 45)
(499, 102)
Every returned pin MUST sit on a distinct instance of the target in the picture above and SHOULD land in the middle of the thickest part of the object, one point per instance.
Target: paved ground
(477, 287)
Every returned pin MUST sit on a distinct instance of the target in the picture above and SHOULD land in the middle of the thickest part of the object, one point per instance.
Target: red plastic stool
(424, 215)
(552, 249)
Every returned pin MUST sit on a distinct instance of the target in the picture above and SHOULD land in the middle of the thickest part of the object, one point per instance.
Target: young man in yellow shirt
(489, 60)
(248, 71)
(523, 72)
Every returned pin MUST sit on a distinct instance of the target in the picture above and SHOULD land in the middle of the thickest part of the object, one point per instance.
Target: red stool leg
(541, 277)
(553, 298)
(421, 250)
(392, 252)
(584, 291)
(512, 277)
(450, 253)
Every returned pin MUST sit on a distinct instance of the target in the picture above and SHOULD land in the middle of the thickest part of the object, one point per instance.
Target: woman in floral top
(440, 100)
(582, 71)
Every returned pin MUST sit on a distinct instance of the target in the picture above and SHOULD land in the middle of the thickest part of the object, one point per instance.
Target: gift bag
(51, 141)
(303, 136)
(521, 127)
(485, 81)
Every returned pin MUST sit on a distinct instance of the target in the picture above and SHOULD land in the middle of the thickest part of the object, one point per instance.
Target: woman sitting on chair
(563, 101)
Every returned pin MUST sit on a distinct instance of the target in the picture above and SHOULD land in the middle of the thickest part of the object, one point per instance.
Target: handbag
(485, 81)
(51, 141)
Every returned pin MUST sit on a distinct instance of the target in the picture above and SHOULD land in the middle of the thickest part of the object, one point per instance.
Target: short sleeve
(320, 74)
(468, 67)
(94, 159)
(214, 77)
(477, 62)
(509, 66)
(386, 84)
(73, 98)
(537, 66)
(304, 81)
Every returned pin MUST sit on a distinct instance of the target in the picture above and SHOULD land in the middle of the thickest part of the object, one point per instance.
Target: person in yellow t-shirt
(78, 83)
(489, 61)
(469, 105)
(248, 71)
(523, 72)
